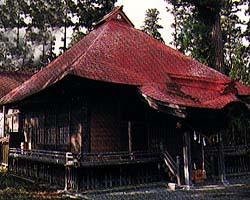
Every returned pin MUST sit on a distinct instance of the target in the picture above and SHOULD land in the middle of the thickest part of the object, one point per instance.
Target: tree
(235, 51)
(28, 28)
(210, 31)
(151, 25)
(240, 69)
(46, 18)
(15, 49)
(247, 32)
(191, 36)
(88, 13)
(181, 15)
(203, 27)
(63, 12)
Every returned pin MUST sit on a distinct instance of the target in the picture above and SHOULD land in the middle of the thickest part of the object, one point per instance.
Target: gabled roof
(117, 52)
(11, 79)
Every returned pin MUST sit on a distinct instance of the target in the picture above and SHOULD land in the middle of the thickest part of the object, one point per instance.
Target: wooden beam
(172, 109)
(187, 160)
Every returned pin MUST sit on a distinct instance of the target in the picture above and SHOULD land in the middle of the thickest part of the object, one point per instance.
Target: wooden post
(66, 179)
(212, 166)
(178, 170)
(86, 137)
(120, 176)
(187, 160)
(70, 118)
(129, 138)
(3, 124)
(222, 170)
(203, 156)
(204, 175)
(106, 179)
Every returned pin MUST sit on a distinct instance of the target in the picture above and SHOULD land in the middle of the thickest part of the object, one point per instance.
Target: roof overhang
(172, 109)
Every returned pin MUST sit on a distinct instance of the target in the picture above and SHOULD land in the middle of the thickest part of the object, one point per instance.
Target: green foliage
(247, 32)
(76, 36)
(191, 36)
(237, 127)
(89, 12)
(237, 54)
(241, 65)
(151, 25)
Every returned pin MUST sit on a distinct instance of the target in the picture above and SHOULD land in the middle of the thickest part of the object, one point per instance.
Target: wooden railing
(170, 163)
(118, 157)
(66, 158)
(54, 157)
(229, 150)
(237, 160)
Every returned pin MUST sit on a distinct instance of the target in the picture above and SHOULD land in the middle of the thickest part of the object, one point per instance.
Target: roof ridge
(118, 14)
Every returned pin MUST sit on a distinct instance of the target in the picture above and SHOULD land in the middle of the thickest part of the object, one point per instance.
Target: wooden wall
(105, 126)
(80, 115)
(60, 126)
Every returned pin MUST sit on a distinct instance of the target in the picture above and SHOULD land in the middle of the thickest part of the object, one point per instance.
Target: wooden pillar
(187, 160)
(66, 179)
(204, 175)
(3, 124)
(70, 119)
(86, 137)
(129, 138)
(222, 170)
(178, 170)
(203, 156)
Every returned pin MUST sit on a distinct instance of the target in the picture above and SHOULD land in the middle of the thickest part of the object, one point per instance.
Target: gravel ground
(12, 188)
(238, 188)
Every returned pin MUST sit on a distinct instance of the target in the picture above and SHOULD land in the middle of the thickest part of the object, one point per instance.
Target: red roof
(117, 52)
(11, 79)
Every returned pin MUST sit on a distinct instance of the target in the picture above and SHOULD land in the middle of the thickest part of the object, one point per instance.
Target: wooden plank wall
(58, 127)
(106, 134)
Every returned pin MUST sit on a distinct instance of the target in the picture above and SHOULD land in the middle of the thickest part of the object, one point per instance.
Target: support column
(187, 160)
(222, 170)
(129, 138)
(178, 170)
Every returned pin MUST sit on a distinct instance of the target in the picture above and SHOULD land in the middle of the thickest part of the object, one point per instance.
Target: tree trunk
(217, 45)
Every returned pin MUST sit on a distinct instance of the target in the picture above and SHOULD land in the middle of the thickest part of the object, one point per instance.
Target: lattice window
(63, 125)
